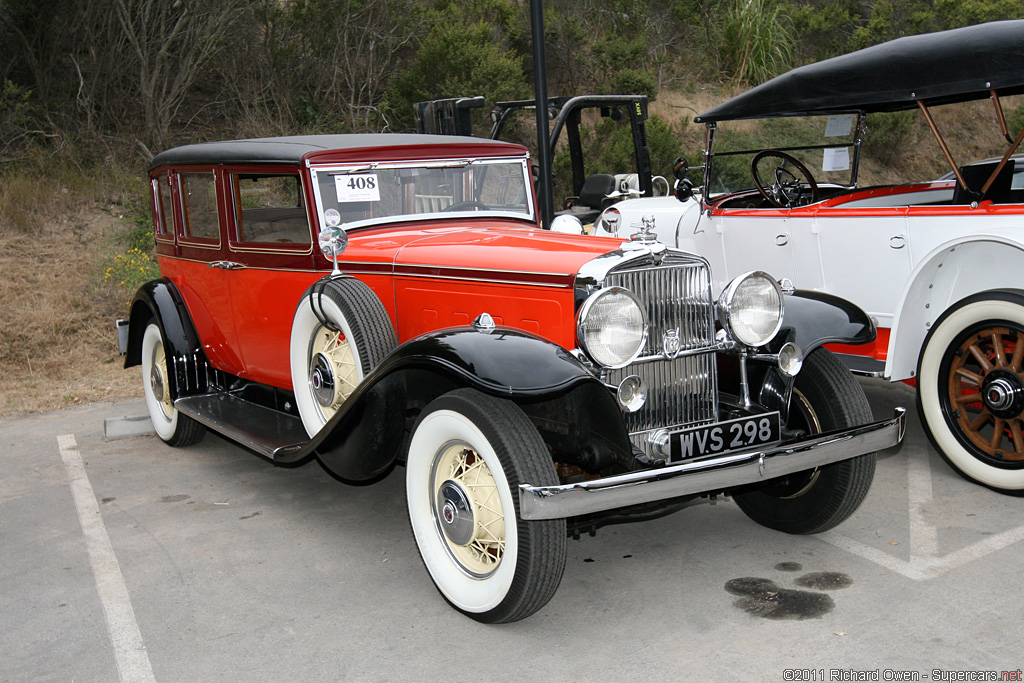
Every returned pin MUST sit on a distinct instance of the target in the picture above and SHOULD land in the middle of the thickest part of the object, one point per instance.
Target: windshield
(355, 195)
(823, 144)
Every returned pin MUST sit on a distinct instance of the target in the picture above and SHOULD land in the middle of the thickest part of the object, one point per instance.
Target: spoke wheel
(340, 332)
(170, 425)
(971, 389)
(468, 509)
(334, 370)
(825, 397)
(986, 393)
(467, 456)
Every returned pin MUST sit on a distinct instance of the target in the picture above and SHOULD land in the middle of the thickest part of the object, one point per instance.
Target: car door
(270, 246)
(862, 255)
(201, 270)
(752, 239)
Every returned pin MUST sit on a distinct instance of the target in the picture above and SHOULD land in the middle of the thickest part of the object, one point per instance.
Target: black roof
(938, 68)
(291, 149)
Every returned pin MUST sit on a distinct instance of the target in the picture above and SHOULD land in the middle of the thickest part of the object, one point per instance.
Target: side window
(199, 205)
(162, 206)
(269, 209)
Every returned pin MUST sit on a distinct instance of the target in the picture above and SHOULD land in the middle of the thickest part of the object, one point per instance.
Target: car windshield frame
(849, 140)
(321, 175)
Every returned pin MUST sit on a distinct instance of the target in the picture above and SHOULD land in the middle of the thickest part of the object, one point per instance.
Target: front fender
(366, 434)
(505, 362)
(812, 319)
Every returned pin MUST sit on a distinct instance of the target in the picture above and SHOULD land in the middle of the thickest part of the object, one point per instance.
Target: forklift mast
(453, 116)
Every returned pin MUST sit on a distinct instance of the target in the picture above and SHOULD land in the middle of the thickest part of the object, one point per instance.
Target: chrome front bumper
(710, 474)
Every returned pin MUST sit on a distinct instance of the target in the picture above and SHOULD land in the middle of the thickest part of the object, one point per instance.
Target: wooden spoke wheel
(971, 389)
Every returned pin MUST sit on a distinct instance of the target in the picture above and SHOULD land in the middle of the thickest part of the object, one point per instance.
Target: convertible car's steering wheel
(787, 189)
(468, 204)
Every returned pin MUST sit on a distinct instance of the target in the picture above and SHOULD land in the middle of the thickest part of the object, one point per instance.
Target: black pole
(540, 93)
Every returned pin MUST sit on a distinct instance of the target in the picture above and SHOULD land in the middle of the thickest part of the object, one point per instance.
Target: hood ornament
(647, 233)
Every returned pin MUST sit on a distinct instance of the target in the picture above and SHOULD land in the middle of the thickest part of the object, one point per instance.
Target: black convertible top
(937, 68)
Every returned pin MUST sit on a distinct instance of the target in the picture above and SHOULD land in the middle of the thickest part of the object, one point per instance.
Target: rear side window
(269, 209)
(199, 205)
(166, 226)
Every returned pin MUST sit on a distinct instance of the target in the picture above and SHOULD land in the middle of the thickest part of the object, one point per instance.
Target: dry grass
(57, 341)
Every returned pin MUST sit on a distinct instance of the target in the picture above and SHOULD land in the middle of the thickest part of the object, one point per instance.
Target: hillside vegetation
(89, 91)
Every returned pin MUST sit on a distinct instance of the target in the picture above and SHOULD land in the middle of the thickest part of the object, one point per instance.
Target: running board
(864, 366)
(266, 431)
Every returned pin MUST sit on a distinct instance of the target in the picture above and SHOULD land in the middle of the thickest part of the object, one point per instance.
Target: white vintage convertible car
(938, 264)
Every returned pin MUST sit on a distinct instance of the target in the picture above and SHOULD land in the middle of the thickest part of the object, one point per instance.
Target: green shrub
(756, 41)
(890, 136)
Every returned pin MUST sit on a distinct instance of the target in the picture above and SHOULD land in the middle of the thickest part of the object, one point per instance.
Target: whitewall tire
(340, 332)
(170, 425)
(467, 456)
(970, 389)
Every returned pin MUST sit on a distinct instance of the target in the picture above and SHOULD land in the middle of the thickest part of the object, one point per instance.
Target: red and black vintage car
(367, 300)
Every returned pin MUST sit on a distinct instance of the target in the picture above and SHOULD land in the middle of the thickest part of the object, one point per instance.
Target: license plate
(723, 437)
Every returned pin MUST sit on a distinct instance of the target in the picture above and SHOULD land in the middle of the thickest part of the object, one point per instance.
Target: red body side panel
(439, 275)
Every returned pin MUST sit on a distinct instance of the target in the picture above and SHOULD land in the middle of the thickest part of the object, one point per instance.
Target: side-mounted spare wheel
(970, 389)
(340, 332)
(170, 425)
(825, 397)
(468, 454)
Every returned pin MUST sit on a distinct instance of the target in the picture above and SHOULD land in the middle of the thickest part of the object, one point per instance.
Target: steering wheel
(788, 189)
(468, 204)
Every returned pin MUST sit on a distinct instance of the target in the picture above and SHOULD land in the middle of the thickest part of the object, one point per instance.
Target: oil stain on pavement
(764, 598)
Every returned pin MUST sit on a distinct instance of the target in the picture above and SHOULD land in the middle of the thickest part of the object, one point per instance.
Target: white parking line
(129, 651)
(925, 561)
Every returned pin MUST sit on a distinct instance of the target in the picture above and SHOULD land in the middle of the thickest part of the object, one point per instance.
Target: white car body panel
(904, 265)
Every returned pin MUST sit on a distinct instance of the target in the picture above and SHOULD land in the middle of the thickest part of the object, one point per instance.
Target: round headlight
(612, 327)
(750, 308)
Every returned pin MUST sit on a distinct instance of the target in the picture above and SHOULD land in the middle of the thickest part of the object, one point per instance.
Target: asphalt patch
(174, 499)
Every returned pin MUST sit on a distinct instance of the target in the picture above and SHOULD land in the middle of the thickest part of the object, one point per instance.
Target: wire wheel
(468, 509)
(467, 456)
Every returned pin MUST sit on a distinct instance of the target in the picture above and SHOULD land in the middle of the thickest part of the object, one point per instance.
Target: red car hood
(512, 250)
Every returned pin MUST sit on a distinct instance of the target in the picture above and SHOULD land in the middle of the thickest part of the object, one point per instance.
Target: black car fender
(366, 435)
(811, 319)
(161, 300)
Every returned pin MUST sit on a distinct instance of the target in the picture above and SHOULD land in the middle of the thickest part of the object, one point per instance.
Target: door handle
(226, 265)
(897, 241)
(781, 240)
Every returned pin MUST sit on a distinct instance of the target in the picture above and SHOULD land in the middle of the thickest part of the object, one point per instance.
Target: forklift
(589, 194)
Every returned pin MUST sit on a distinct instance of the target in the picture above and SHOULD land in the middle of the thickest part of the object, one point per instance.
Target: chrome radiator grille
(681, 391)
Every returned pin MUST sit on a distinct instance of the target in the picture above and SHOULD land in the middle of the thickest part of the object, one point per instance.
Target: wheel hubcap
(321, 378)
(468, 510)
(158, 382)
(1003, 394)
(456, 513)
(333, 371)
(984, 395)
